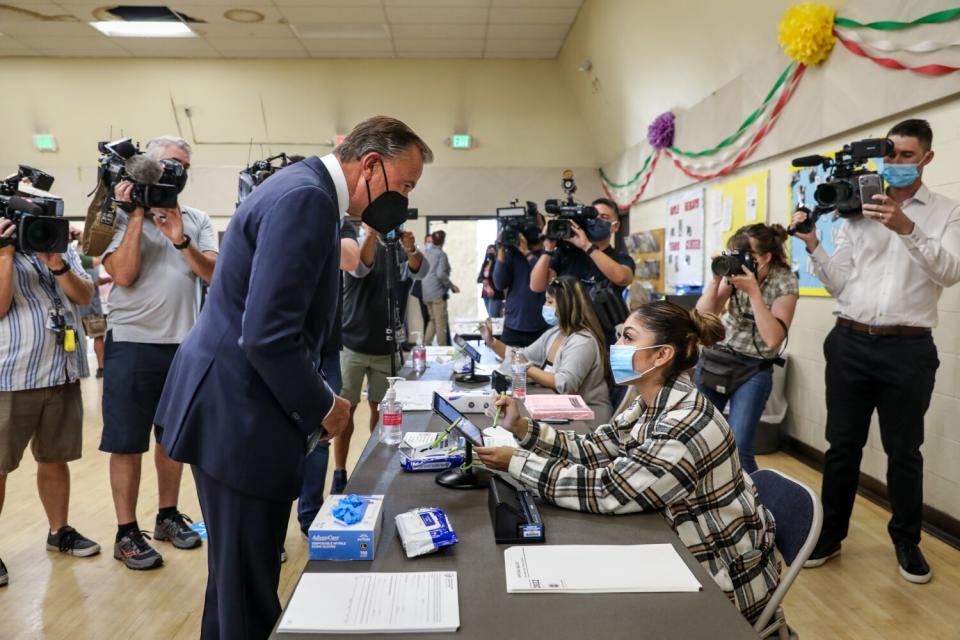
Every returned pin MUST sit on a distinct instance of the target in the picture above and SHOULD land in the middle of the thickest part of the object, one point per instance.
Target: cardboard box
(331, 539)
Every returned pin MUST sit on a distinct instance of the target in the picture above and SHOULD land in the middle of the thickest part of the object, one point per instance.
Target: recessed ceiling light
(144, 29)
(243, 15)
(341, 31)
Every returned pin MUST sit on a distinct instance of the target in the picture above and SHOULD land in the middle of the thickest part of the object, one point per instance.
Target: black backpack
(609, 306)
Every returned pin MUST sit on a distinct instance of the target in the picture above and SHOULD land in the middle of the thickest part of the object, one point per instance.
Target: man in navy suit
(245, 392)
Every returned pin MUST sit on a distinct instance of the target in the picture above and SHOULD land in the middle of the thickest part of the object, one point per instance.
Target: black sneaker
(913, 566)
(136, 552)
(69, 541)
(177, 531)
(339, 481)
(821, 553)
(4, 576)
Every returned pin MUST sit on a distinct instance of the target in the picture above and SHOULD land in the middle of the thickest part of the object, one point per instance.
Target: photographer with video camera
(523, 321)
(366, 319)
(41, 362)
(887, 272)
(155, 258)
(760, 293)
(588, 255)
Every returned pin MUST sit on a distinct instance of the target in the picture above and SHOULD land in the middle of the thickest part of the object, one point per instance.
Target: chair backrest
(799, 517)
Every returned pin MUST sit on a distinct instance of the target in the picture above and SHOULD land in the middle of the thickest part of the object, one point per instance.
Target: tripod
(395, 332)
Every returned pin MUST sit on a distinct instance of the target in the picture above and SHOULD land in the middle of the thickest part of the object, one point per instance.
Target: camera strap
(59, 324)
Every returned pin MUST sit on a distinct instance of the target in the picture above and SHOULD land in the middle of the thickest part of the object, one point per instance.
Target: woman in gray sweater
(571, 356)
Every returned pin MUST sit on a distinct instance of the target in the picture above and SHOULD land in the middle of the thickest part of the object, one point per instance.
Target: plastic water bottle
(519, 372)
(391, 413)
(419, 354)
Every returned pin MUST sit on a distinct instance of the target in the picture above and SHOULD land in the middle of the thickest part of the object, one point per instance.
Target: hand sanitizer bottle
(419, 354)
(391, 414)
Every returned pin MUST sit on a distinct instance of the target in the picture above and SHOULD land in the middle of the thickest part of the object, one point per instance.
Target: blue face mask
(597, 229)
(550, 315)
(900, 175)
(621, 362)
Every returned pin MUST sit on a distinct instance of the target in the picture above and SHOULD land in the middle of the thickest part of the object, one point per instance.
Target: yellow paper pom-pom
(806, 32)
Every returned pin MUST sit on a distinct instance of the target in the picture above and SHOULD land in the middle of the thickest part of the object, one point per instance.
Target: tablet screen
(450, 415)
(467, 347)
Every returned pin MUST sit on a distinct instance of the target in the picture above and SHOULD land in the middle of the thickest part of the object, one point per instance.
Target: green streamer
(890, 25)
(632, 180)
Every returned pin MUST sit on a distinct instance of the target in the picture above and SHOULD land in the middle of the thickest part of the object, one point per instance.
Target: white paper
(684, 238)
(417, 395)
(726, 217)
(751, 202)
(373, 603)
(499, 437)
(643, 568)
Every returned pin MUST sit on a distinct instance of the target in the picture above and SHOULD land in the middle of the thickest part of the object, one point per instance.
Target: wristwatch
(550, 252)
(183, 245)
(593, 247)
(60, 272)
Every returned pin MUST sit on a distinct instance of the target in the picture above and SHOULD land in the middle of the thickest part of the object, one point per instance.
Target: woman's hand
(486, 332)
(747, 282)
(495, 458)
(509, 415)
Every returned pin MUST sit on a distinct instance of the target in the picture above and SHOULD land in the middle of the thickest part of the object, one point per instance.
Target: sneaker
(821, 553)
(177, 531)
(283, 555)
(69, 541)
(4, 576)
(913, 566)
(136, 552)
(339, 481)
(100, 372)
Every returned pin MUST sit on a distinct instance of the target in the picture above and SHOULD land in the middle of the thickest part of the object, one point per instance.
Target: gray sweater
(578, 369)
(437, 282)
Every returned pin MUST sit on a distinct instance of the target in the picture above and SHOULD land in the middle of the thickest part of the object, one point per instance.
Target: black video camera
(257, 172)
(569, 212)
(731, 263)
(515, 220)
(849, 183)
(156, 183)
(40, 225)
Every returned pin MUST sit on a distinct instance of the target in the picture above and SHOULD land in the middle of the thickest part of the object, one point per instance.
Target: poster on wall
(731, 205)
(803, 183)
(684, 240)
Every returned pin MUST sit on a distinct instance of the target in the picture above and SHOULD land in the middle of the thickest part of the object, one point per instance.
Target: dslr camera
(156, 183)
(515, 220)
(256, 173)
(40, 225)
(731, 263)
(569, 212)
(849, 183)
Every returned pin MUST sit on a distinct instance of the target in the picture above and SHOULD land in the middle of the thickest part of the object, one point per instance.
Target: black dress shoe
(913, 566)
(822, 552)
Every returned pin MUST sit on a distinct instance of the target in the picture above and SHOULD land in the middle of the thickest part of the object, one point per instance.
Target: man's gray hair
(155, 147)
(387, 136)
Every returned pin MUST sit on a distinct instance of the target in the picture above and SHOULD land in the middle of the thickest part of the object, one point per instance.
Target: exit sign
(461, 141)
(338, 139)
(45, 142)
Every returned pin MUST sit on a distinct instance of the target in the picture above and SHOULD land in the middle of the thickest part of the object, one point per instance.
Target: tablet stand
(464, 478)
(472, 376)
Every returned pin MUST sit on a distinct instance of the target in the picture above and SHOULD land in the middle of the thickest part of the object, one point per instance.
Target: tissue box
(473, 401)
(330, 539)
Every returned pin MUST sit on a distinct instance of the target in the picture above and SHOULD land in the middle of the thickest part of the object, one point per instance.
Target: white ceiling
(302, 29)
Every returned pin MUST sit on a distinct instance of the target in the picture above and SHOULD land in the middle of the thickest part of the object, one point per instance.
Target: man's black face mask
(388, 211)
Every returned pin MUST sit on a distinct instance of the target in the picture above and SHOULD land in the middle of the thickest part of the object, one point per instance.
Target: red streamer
(896, 65)
(643, 186)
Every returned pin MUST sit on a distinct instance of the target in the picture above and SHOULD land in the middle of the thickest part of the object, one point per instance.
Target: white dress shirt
(882, 278)
(332, 163)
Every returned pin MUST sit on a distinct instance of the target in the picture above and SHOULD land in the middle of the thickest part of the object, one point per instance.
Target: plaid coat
(677, 457)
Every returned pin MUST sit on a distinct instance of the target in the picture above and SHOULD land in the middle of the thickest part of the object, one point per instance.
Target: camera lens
(831, 194)
(723, 265)
(38, 235)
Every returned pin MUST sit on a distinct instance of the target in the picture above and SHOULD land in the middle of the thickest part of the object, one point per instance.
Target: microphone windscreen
(808, 161)
(19, 204)
(143, 169)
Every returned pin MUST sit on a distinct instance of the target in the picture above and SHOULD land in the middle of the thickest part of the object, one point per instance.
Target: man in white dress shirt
(887, 273)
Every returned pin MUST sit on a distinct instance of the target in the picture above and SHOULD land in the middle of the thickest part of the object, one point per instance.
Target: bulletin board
(737, 202)
(684, 240)
(803, 183)
(647, 250)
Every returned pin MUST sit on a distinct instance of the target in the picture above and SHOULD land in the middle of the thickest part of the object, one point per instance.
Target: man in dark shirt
(523, 318)
(366, 351)
(588, 256)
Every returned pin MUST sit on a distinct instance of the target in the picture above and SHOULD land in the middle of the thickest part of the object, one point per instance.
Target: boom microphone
(809, 161)
(143, 169)
(20, 204)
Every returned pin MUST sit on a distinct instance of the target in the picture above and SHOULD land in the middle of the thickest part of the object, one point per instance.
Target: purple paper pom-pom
(660, 132)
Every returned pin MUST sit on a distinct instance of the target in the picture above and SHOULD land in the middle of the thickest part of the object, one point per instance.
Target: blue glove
(350, 509)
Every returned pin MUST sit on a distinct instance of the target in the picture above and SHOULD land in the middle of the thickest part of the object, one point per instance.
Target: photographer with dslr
(366, 316)
(41, 362)
(155, 259)
(760, 292)
(887, 273)
(589, 257)
(522, 318)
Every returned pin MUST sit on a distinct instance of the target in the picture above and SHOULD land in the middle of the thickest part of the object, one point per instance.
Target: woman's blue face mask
(621, 362)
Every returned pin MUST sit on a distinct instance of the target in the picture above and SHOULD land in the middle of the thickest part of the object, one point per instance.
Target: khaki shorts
(50, 420)
(354, 365)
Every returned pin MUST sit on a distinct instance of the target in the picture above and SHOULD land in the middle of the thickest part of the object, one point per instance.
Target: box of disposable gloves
(346, 528)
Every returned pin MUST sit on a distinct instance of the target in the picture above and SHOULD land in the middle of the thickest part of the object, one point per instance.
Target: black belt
(886, 330)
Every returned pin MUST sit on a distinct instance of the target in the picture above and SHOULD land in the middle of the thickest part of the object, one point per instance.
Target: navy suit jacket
(244, 390)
